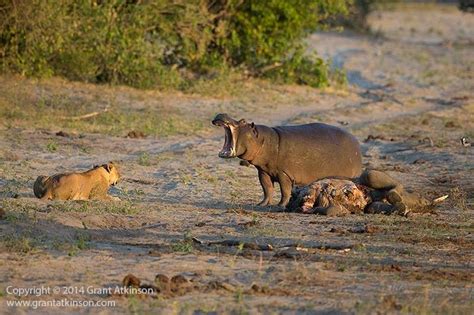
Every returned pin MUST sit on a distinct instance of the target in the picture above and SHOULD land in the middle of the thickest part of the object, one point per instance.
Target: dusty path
(411, 87)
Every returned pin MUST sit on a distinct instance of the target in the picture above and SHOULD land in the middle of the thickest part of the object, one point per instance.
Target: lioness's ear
(108, 167)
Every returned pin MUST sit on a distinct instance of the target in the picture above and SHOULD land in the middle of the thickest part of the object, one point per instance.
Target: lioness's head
(113, 172)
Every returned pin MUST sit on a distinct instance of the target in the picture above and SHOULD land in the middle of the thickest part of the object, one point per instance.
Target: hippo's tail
(39, 187)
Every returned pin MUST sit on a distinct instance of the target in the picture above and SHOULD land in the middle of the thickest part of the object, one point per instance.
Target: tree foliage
(156, 42)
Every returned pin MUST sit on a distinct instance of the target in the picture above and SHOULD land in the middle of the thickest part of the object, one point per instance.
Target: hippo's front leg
(267, 185)
(286, 184)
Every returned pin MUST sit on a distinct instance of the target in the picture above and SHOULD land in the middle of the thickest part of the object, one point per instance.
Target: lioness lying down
(91, 184)
(372, 192)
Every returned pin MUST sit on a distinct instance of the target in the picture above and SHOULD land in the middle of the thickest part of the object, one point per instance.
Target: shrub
(159, 42)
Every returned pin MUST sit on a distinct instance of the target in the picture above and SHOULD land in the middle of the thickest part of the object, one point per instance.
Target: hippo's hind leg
(410, 201)
(378, 180)
(286, 185)
(267, 185)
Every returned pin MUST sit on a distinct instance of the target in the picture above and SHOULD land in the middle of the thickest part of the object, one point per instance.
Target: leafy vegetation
(165, 43)
(18, 243)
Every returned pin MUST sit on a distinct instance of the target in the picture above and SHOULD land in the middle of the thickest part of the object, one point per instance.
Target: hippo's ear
(254, 129)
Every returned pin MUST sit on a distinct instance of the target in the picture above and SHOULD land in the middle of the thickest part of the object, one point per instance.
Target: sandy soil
(411, 86)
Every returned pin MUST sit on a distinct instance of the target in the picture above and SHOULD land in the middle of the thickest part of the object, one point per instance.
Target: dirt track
(411, 87)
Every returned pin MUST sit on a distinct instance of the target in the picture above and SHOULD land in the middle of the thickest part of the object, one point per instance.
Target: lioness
(91, 184)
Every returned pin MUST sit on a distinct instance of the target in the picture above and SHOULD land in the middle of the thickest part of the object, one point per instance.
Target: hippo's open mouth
(230, 128)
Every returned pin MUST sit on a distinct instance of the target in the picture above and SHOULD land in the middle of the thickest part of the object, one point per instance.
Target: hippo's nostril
(226, 153)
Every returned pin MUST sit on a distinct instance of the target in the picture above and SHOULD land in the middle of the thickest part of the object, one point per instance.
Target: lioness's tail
(39, 187)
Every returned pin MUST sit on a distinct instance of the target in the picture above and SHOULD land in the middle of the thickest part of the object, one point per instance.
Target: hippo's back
(314, 151)
(313, 132)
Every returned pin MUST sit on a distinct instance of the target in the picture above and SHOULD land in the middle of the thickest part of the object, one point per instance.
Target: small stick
(84, 116)
(430, 141)
(234, 243)
(440, 199)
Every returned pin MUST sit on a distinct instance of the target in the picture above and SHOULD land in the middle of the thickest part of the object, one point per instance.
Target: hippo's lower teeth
(228, 148)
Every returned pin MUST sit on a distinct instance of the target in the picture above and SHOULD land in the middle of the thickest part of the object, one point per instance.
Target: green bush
(159, 42)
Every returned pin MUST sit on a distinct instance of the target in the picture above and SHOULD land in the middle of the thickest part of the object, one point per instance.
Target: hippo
(290, 155)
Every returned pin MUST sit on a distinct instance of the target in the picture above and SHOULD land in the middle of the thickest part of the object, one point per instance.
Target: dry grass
(26, 104)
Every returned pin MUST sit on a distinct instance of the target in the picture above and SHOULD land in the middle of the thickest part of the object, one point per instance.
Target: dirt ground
(410, 87)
